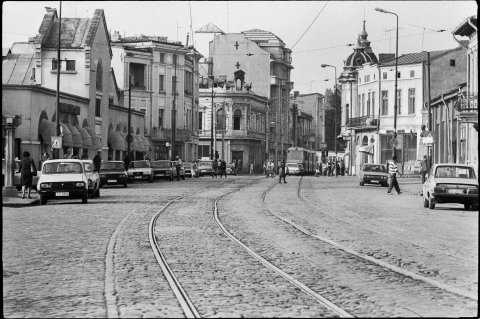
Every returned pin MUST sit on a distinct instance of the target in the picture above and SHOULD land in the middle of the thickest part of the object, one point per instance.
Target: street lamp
(396, 79)
(335, 119)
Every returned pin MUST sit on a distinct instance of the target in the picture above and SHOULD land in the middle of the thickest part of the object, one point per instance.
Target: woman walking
(27, 170)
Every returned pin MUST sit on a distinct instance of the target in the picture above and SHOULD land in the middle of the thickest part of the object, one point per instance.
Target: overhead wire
(310, 25)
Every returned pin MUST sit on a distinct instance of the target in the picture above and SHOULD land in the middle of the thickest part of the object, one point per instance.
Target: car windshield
(160, 164)
(62, 168)
(292, 165)
(205, 164)
(139, 164)
(88, 167)
(374, 168)
(112, 166)
(187, 165)
(455, 172)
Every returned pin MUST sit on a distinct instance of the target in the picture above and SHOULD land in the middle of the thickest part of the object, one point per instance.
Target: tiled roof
(16, 69)
(23, 48)
(419, 57)
(261, 36)
(74, 32)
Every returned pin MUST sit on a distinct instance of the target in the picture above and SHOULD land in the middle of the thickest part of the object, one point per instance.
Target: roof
(414, 58)
(465, 28)
(23, 48)
(261, 36)
(5, 51)
(209, 28)
(17, 69)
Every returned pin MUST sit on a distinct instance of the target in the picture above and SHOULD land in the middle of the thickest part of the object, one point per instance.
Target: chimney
(116, 36)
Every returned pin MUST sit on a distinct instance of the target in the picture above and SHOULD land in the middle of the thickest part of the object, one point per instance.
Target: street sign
(428, 140)
(56, 142)
(394, 142)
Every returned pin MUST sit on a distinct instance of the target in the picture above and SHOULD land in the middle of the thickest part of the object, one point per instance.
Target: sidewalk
(19, 202)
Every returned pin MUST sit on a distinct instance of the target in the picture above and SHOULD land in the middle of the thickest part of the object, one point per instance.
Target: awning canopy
(366, 149)
(140, 145)
(86, 138)
(46, 131)
(76, 136)
(96, 144)
(146, 143)
(67, 139)
(115, 141)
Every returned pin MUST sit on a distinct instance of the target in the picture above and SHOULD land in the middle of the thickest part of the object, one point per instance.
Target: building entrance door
(237, 156)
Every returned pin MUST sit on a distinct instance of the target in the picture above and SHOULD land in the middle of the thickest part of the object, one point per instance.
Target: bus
(306, 157)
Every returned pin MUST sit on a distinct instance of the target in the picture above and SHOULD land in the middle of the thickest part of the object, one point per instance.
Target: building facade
(310, 111)
(164, 86)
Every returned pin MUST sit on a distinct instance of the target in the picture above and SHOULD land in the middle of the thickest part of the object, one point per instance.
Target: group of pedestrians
(331, 168)
(219, 168)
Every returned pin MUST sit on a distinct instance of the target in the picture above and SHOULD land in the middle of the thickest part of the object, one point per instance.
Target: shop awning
(140, 145)
(366, 149)
(67, 139)
(96, 144)
(76, 136)
(146, 143)
(115, 141)
(86, 138)
(46, 131)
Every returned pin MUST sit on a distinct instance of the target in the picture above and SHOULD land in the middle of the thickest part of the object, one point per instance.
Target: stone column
(9, 124)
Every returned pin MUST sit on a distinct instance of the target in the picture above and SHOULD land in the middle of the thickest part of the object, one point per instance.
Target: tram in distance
(306, 157)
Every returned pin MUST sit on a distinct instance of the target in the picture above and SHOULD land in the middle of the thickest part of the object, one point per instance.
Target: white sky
(325, 42)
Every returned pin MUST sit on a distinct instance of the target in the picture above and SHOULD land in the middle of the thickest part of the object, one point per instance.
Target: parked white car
(294, 169)
(93, 179)
(63, 179)
(140, 170)
(451, 183)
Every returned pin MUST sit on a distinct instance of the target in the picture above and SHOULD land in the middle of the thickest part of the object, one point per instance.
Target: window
(174, 84)
(137, 72)
(110, 100)
(346, 112)
(54, 64)
(237, 115)
(70, 65)
(367, 78)
(98, 104)
(368, 104)
(398, 75)
(160, 118)
(412, 73)
(452, 62)
(174, 59)
(384, 75)
(200, 120)
(384, 102)
(373, 103)
(363, 104)
(99, 76)
(162, 57)
(411, 101)
(33, 75)
(161, 83)
(399, 102)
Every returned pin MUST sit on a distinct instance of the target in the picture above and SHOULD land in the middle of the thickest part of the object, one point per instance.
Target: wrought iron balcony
(467, 108)
(361, 122)
(166, 135)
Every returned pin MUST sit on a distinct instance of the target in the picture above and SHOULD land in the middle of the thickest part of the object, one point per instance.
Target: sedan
(161, 169)
(63, 179)
(113, 173)
(451, 183)
(294, 169)
(140, 170)
(373, 174)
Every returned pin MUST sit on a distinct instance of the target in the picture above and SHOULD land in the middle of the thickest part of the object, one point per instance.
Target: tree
(330, 103)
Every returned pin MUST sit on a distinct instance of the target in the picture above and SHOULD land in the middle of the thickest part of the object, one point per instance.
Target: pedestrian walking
(27, 170)
(342, 167)
(178, 166)
(264, 168)
(282, 173)
(97, 160)
(425, 168)
(329, 168)
(393, 171)
(214, 168)
(234, 171)
(223, 168)
(251, 168)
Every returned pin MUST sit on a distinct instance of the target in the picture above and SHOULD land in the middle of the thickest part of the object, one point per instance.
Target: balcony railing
(166, 134)
(467, 103)
(233, 133)
(361, 122)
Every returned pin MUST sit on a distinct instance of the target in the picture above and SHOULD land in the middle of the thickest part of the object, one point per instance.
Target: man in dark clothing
(97, 160)
(425, 168)
(214, 168)
(223, 169)
(178, 166)
(342, 167)
(282, 172)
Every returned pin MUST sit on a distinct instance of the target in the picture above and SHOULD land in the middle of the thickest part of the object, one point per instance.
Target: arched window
(237, 116)
(365, 140)
(221, 119)
(99, 84)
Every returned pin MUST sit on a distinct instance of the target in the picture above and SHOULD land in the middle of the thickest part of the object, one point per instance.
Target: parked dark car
(161, 169)
(113, 173)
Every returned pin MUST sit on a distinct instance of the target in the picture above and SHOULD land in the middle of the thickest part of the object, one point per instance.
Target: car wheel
(431, 203)
(43, 199)
(85, 198)
(362, 183)
(150, 180)
(425, 202)
(467, 206)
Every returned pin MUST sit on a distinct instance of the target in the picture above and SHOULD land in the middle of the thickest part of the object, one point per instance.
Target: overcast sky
(325, 42)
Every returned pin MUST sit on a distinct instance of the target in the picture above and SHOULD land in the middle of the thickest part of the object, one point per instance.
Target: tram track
(376, 261)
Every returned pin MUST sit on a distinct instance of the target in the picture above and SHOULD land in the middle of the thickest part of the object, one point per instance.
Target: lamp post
(211, 122)
(129, 135)
(396, 82)
(56, 151)
(335, 119)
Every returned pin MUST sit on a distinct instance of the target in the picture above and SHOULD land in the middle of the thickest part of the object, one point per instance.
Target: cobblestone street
(95, 260)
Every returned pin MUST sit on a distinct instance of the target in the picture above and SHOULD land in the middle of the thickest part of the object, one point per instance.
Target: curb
(18, 202)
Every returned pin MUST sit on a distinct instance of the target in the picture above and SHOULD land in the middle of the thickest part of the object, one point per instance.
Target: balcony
(233, 134)
(166, 135)
(363, 122)
(467, 108)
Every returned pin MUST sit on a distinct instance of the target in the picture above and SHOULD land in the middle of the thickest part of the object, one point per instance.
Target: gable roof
(419, 57)
(261, 36)
(16, 69)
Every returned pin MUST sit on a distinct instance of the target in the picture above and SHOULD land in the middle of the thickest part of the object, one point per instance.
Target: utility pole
(211, 124)
(129, 135)
(56, 154)
(429, 148)
(174, 111)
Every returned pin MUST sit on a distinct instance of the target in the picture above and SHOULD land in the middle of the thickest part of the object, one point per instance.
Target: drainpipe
(449, 133)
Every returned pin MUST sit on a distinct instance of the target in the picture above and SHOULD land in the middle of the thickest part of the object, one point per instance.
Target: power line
(310, 25)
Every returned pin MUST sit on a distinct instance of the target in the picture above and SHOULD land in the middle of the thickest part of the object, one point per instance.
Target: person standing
(27, 170)
(45, 157)
(251, 168)
(97, 160)
(393, 171)
(223, 168)
(282, 173)
(342, 167)
(214, 168)
(178, 166)
(424, 168)
(234, 171)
